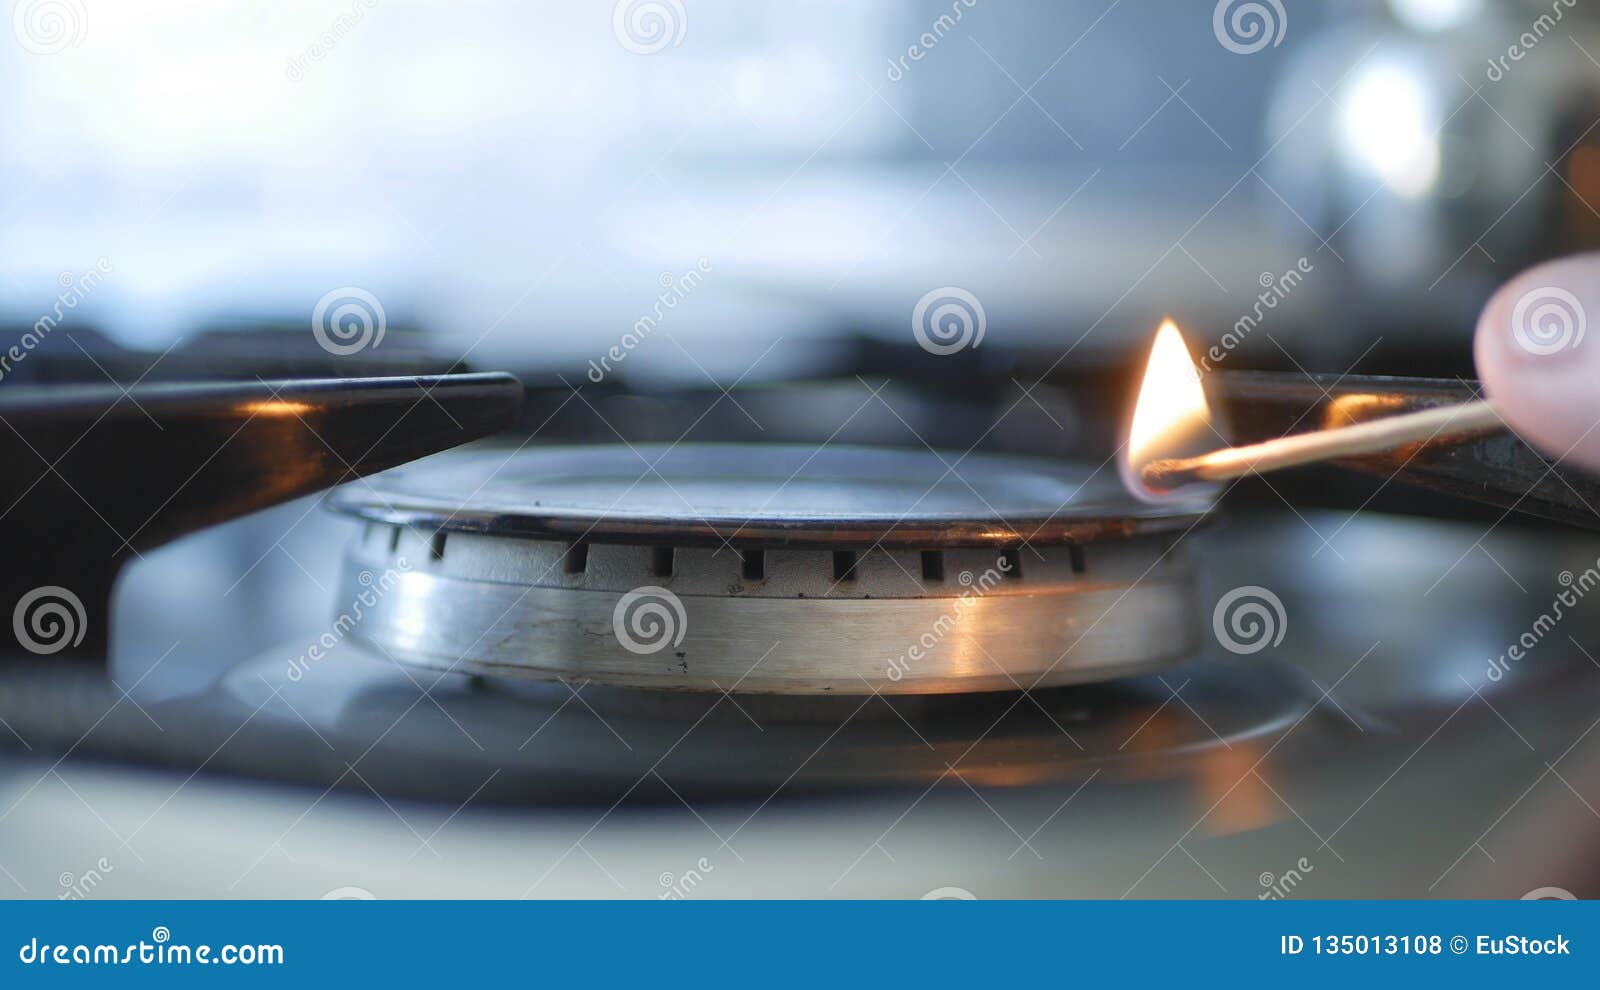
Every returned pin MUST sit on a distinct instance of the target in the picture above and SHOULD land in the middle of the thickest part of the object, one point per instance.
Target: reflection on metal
(1358, 407)
(1226, 783)
(508, 607)
(277, 407)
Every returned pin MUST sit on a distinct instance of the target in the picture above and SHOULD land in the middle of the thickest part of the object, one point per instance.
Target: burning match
(1172, 422)
(1443, 424)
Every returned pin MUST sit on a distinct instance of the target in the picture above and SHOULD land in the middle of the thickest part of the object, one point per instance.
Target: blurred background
(514, 183)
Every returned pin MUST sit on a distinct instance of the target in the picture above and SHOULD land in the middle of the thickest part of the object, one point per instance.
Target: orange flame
(1172, 408)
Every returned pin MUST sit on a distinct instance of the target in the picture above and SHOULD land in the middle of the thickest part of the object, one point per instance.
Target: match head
(1163, 477)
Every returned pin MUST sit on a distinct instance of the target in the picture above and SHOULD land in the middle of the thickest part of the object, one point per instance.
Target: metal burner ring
(815, 614)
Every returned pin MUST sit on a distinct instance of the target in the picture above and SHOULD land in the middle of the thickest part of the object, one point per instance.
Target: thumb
(1539, 362)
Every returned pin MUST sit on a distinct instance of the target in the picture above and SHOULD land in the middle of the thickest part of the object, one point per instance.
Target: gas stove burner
(768, 569)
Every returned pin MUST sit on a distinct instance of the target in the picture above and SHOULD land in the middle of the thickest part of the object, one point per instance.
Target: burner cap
(768, 569)
(759, 495)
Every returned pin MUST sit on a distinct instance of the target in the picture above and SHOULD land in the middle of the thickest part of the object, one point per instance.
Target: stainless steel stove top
(1370, 752)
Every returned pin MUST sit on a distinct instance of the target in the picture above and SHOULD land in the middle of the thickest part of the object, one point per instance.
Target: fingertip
(1540, 362)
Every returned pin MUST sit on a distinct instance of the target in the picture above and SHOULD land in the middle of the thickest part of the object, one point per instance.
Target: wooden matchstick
(1440, 424)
